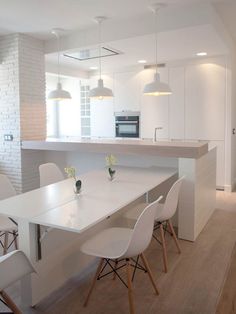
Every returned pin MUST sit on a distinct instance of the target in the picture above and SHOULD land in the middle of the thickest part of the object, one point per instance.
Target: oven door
(127, 129)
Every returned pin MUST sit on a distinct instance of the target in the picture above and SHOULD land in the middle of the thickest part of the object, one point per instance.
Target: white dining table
(57, 206)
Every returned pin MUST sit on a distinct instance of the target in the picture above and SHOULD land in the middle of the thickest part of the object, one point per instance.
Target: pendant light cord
(155, 21)
(100, 63)
(58, 58)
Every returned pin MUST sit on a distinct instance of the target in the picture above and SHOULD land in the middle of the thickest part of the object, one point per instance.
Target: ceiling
(172, 45)
(38, 17)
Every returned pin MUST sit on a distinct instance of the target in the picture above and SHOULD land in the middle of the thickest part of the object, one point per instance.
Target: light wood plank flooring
(227, 303)
(192, 285)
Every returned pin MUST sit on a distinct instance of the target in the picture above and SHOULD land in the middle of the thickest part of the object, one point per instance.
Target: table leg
(27, 241)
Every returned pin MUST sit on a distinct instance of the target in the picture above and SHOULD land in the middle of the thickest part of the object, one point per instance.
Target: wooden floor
(193, 284)
(227, 303)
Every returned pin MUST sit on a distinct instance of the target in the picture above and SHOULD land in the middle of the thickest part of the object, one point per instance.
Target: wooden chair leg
(114, 275)
(5, 247)
(174, 236)
(130, 288)
(99, 268)
(15, 239)
(145, 263)
(163, 242)
(10, 303)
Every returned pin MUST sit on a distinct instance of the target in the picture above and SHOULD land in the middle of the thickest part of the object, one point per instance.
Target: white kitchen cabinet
(154, 109)
(205, 98)
(127, 91)
(102, 111)
(176, 103)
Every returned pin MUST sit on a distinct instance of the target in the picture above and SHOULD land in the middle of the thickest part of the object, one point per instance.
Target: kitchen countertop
(173, 148)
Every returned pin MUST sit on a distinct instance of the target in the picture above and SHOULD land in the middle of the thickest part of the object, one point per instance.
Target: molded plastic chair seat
(110, 243)
(13, 266)
(163, 216)
(50, 173)
(116, 244)
(7, 225)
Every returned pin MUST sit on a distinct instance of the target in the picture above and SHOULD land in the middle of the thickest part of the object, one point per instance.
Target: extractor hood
(92, 53)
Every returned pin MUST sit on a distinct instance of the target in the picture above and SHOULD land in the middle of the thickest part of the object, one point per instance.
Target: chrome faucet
(155, 133)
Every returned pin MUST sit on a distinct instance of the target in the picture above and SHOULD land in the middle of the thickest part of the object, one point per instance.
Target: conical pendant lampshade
(100, 92)
(157, 88)
(58, 93)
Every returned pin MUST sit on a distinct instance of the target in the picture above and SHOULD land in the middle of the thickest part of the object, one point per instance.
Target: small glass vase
(77, 187)
(111, 173)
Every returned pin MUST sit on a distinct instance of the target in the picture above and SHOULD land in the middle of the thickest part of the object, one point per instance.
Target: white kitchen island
(72, 220)
(191, 159)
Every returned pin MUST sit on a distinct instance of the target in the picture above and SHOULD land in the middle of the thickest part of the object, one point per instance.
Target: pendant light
(157, 88)
(100, 92)
(58, 93)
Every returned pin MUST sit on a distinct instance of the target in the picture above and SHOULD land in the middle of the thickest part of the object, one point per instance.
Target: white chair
(13, 266)
(49, 173)
(7, 226)
(163, 220)
(117, 244)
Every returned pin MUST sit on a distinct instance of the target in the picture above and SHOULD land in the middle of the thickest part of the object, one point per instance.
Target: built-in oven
(127, 124)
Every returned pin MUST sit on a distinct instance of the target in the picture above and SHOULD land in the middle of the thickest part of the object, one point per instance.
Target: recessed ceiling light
(142, 61)
(93, 68)
(201, 54)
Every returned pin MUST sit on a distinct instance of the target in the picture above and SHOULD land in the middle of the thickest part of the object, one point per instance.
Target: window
(85, 111)
(63, 117)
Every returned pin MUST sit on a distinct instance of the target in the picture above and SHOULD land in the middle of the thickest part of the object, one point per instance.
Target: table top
(57, 205)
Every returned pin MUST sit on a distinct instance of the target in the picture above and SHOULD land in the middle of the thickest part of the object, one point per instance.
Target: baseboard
(228, 188)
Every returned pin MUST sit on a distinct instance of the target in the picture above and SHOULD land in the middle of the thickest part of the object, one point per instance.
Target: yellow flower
(70, 171)
(111, 160)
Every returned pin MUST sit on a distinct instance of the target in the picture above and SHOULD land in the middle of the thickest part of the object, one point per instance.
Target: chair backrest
(14, 266)
(172, 199)
(49, 173)
(142, 232)
(6, 188)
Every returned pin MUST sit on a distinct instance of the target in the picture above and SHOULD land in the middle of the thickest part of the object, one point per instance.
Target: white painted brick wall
(22, 107)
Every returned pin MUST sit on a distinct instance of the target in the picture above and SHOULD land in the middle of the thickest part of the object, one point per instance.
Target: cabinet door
(205, 101)
(126, 91)
(154, 109)
(176, 103)
(102, 111)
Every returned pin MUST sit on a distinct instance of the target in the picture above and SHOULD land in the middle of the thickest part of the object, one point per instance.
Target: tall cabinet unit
(127, 91)
(154, 110)
(177, 103)
(196, 110)
(205, 99)
(102, 111)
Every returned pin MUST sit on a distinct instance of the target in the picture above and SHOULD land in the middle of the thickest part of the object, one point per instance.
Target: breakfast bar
(191, 159)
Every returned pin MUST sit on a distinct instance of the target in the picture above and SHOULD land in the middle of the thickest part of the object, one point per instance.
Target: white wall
(22, 107)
